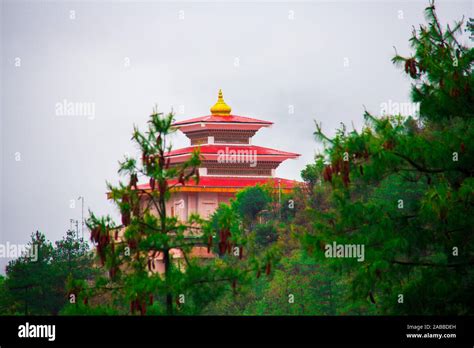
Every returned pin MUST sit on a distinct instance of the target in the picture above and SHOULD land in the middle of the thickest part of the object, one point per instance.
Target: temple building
(230, 162)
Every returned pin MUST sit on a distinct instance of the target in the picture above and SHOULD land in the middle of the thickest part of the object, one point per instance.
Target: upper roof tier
(220, 119)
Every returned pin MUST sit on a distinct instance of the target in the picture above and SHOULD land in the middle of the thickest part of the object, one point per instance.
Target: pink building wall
(183, 204)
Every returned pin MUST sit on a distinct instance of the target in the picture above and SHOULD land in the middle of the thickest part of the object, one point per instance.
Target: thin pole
(279, 198)
(82, 227)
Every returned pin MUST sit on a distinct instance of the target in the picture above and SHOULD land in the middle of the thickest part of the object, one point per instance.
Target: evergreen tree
(127, 250)
(35, 283)
(403, 187)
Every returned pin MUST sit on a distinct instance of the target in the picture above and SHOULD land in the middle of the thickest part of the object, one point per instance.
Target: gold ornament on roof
(221, 108)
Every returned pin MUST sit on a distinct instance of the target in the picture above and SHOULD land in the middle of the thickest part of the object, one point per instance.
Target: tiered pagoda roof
(229, 160)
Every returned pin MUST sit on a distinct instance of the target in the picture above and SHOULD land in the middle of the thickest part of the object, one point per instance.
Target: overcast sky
(322, 60)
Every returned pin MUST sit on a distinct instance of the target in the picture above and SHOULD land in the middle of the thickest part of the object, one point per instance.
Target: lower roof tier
(229, 184)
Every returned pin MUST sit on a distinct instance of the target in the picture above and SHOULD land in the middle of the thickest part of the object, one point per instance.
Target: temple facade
(230, 161)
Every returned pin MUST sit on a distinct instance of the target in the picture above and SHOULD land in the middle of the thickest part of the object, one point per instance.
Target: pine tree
(128, 250)
(35, 282)
(403, 187)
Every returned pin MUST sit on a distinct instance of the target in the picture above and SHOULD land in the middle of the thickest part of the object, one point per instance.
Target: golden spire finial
(221, 108)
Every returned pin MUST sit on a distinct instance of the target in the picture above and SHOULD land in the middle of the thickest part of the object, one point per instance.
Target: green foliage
(300, 285)
(37, 285)
(6, 299)
(315, 288)
(402, 187)
(128, 250)
(87, 310)
(311, 174)
(265, 234)
(250, 201)
(441, 68)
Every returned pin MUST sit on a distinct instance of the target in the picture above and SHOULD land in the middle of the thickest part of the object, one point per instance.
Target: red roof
(222, 119)
(232, 182)
(214, 149)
